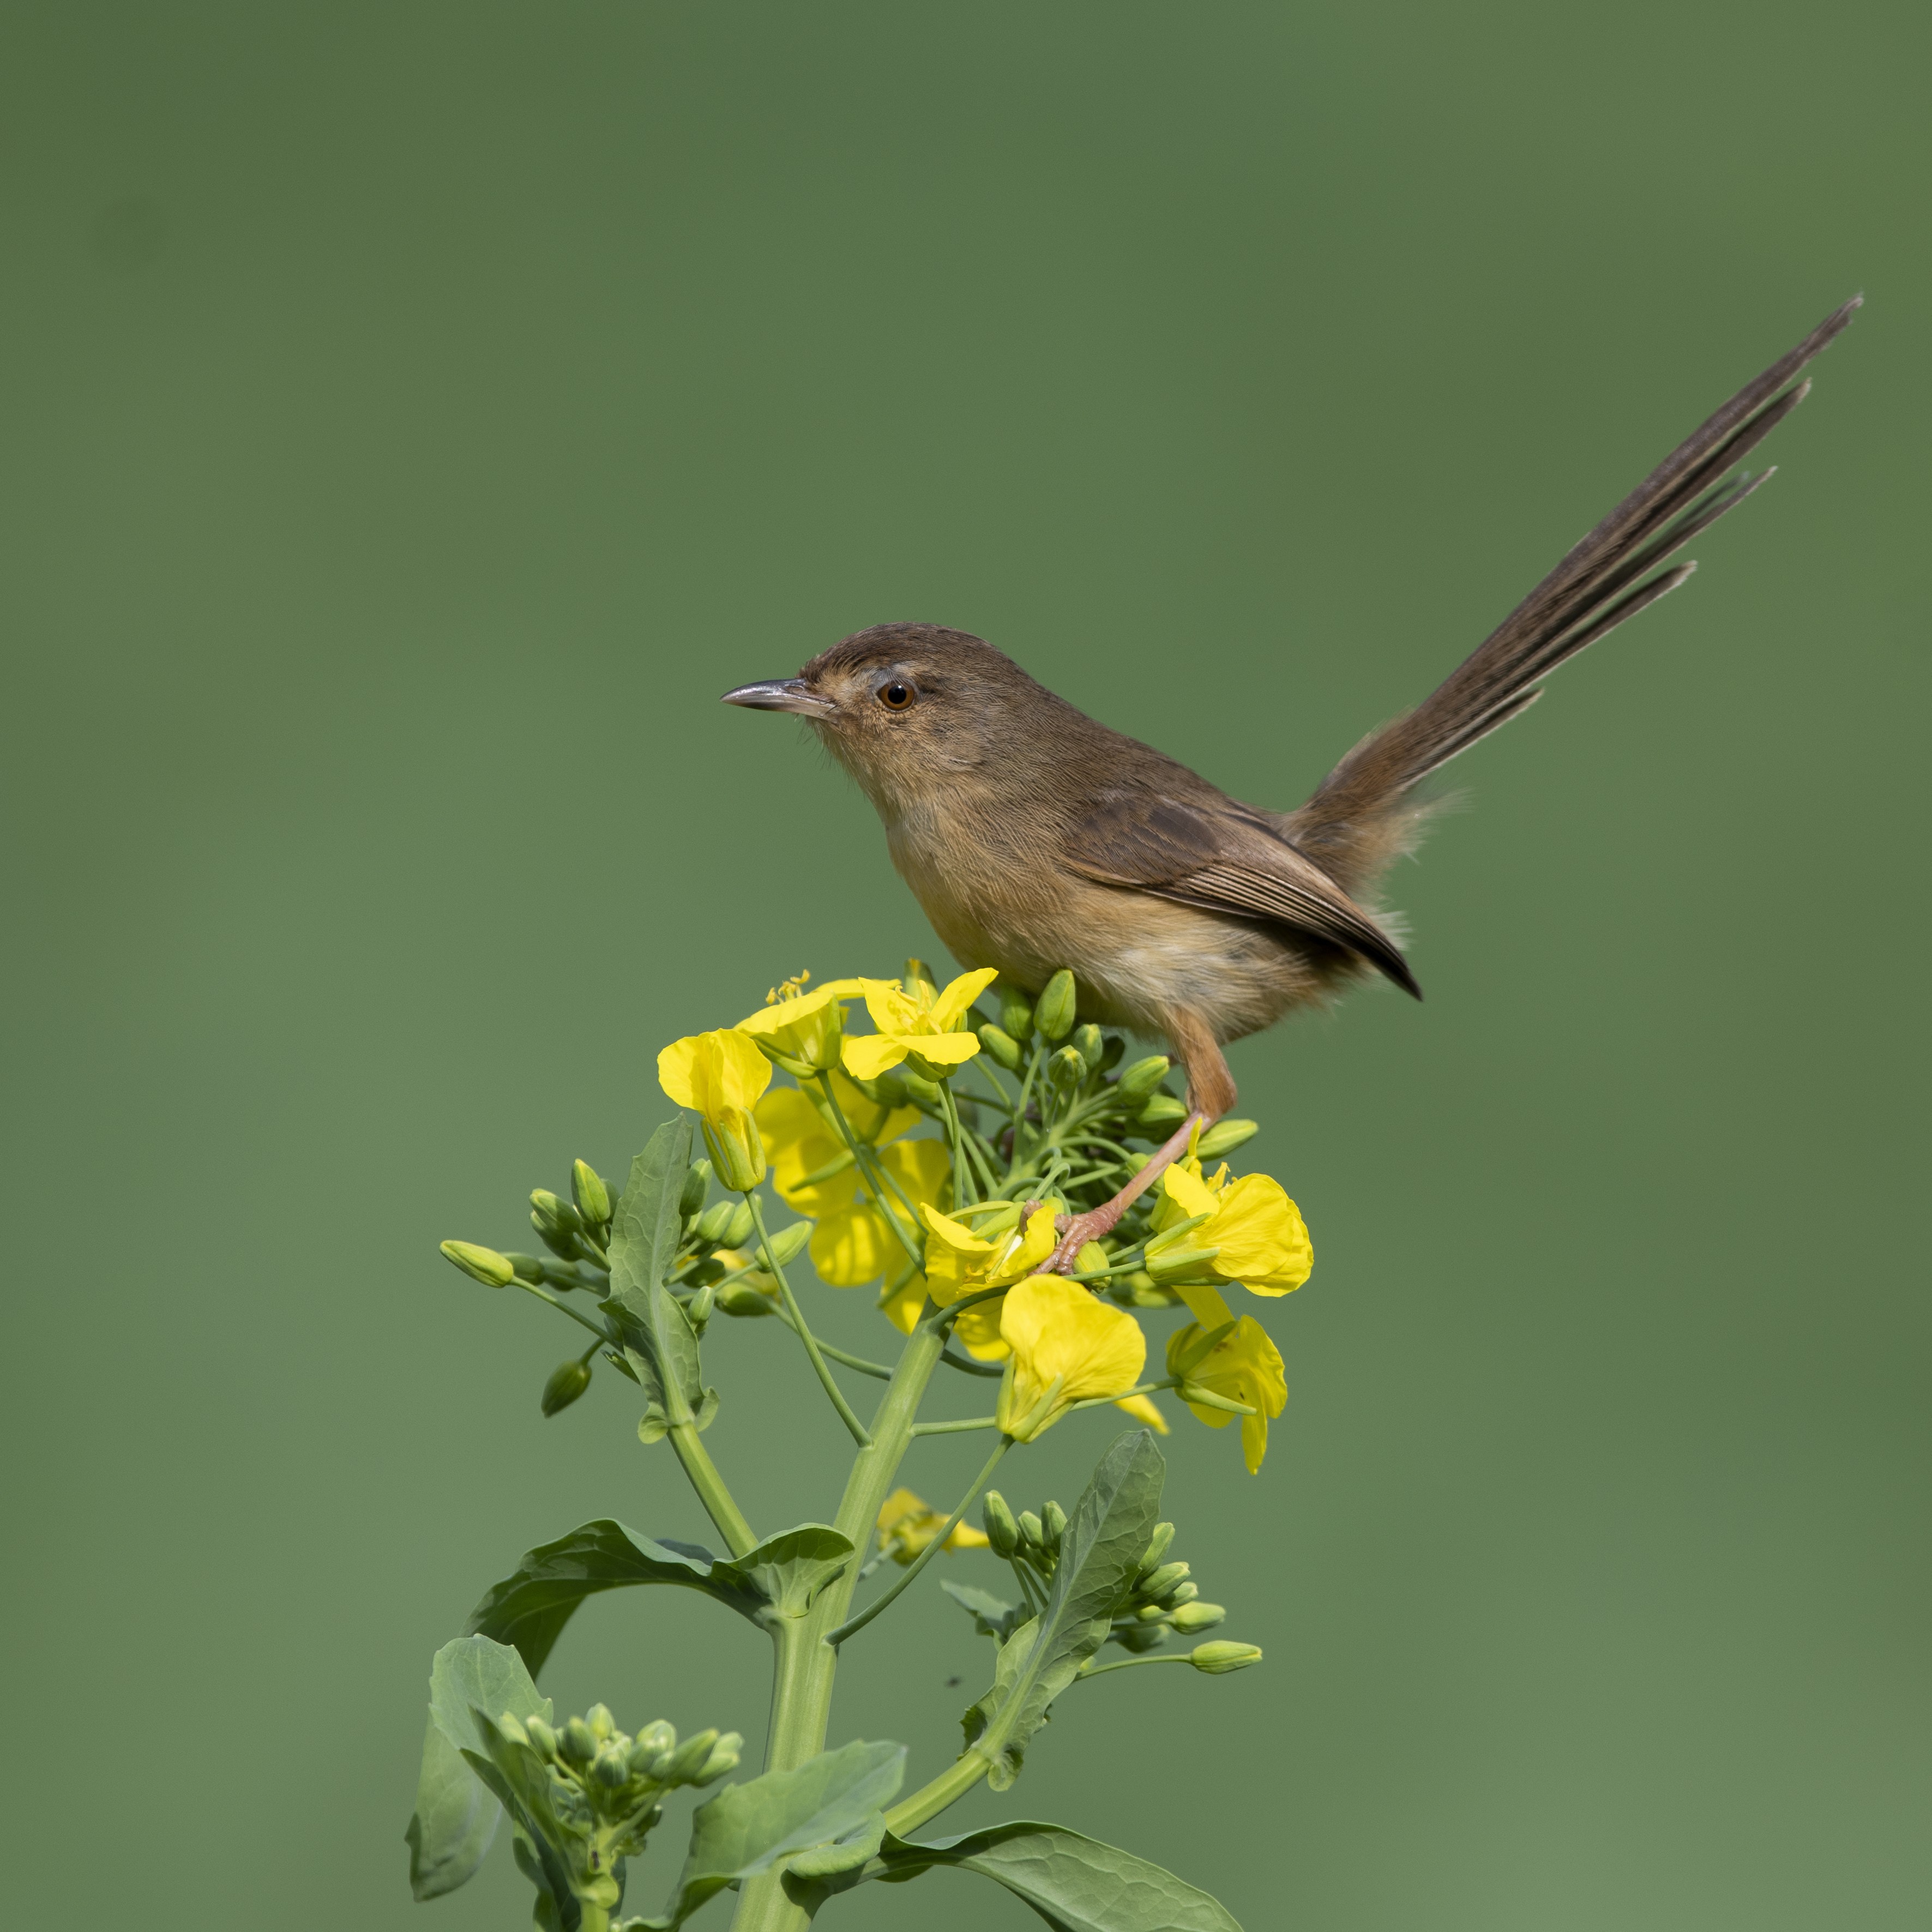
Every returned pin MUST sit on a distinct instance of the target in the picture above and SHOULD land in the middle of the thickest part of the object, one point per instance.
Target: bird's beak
(782, 694)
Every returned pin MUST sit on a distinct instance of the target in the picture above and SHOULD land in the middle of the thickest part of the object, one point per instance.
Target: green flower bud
(1163, 1534)
(1139, 1080)
(1159, 1582)
(1217, 1659)
(568, 1381)
(1224, 1136)
(556, 1223)
(511, 1727)
(790, 1242)
(1162, 1111)
(1151, 1613)
(1002, 1531)
(1004, 1049)
(919, 1088)
(738, 1229)
(1066, 1070)
(541, 1735)
(724, 1756)
(1090, 1043)
(1015, 1014)
(1140, 1637)
(918, 973)
(483, 1264)
(688, 1759)
(740, 1299)
(528, 1267)
(1181, 1593)
(578, 1744)
(737, 1151)
(1054, 1015)
(1031, 1534)
(611, 1769)
(592, 1196)
(1053, 1523)
(713, 1221)
(697, 1185)
(603, 1726)
(1091, 1258)
(697, 1310)
(655, 1743)
(1189, 1617)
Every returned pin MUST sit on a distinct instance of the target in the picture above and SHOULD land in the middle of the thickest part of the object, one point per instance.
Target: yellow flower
(721, 1074)
(802, 1033)
(1258, 1232)
(852, 1242)
(907, 1523)
(1067, 1347)
(959, 1262)
(1244, 1366)
(922, 1023)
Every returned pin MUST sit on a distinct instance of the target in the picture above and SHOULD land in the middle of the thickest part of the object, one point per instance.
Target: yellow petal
(923, 1168)
(866, 1057)
(942, 1049)
(893, 1010)
(1262, 1239)
(854, 1246)
(979, 1331)
(710, 1072)
(951, 1003)
(905, 1300)
(1189, 1194)
(965, 1537)
(1063, 1339)
(900, 1504)
(1207, 1306)
(1021, 1254)
(1141, 1409)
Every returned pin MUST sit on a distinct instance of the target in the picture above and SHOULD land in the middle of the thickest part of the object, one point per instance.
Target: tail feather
(1602, 580)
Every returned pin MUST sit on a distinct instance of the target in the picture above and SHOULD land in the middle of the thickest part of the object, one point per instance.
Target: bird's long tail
(1354, 822)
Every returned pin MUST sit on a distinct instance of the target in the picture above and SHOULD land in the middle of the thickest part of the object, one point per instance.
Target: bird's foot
(1075, 1231)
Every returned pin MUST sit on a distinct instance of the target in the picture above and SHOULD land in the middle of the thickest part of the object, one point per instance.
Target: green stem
(955, 1428)
(596, 1328)
(1088, 1670)
(717, 1499)
(873, 1170)
(797, 1319)
(852, 1625)
(966, 1365)
(929, 1800)
(806, 1662)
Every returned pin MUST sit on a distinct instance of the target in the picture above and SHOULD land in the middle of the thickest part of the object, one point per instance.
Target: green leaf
(659, 1339)
(748, 1828)
(1076, 1884)
(1099, 1553)
(991, 1616)
(455, 1817)
(788, 1570)
(530, 1606)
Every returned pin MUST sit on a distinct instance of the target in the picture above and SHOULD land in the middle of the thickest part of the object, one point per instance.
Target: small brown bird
(1036, 837)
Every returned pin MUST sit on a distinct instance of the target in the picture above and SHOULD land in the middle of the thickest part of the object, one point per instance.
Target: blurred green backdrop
(415, 414)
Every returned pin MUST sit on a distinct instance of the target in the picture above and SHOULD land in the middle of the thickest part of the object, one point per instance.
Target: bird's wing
(1223, 861)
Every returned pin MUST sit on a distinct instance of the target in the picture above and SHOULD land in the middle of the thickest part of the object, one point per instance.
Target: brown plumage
(1036, 837)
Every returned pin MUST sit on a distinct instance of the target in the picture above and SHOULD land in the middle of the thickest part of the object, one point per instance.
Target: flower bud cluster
(1162, 1597)
(594, 1793)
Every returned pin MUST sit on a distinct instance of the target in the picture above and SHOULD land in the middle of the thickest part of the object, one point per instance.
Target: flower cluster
(945, 1196)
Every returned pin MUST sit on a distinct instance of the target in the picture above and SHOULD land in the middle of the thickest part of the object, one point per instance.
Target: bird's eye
(895, 696)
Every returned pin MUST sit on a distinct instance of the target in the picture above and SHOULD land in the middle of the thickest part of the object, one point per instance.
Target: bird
(1035, 837)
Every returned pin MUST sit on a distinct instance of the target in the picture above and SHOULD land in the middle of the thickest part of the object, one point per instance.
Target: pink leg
(1077, 1230)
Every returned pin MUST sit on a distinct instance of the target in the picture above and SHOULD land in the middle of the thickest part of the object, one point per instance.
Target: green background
(415, 414)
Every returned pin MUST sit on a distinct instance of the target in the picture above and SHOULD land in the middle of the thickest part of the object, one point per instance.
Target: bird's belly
(1136, 957)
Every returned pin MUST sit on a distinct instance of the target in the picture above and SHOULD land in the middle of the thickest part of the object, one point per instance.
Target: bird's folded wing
(1223, 861)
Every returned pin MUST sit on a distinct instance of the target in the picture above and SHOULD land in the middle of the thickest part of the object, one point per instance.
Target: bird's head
(907, 707)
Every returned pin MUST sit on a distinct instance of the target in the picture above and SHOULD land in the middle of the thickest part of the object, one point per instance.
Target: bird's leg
(1077, 1230)
(1210, 1093)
